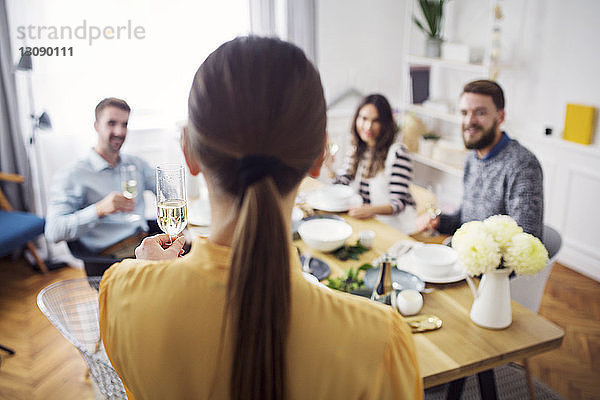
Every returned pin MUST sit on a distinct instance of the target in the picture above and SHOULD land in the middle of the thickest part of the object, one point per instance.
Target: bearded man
(87, 207)
(501, 176)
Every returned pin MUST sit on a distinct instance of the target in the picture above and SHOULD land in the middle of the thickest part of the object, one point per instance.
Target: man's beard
(486, 139)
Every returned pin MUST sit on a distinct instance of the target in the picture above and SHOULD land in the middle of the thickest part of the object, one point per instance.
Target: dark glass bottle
(383, 291)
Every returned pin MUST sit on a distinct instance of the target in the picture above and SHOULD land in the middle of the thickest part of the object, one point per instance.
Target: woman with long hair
(235, 318)
(378, 166)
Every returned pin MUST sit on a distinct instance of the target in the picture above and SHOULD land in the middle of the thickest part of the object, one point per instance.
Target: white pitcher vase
(491, 307)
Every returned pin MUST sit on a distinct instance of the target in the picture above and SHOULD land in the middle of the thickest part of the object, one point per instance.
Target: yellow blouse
(161, 323)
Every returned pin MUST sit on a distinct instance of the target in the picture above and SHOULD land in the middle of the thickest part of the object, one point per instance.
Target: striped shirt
(401, 175)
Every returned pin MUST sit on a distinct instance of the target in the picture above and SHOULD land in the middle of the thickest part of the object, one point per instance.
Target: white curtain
(262, 17)
(291, 20)
(13, 154)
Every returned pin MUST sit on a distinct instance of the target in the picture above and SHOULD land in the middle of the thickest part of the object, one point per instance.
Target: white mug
(366, 238)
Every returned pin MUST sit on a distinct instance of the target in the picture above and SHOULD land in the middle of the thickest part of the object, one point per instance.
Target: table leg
(455, 389)
(487, 385)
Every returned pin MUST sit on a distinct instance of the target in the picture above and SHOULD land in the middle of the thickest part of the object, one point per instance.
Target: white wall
(358, 46)
(551, 51)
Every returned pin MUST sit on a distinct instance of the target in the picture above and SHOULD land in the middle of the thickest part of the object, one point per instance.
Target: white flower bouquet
(498, 242)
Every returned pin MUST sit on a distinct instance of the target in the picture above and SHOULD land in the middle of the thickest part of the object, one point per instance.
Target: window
(143, 51)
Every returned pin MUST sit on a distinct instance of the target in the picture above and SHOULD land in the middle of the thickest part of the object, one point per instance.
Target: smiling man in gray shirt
(86, 201)
(501, 176)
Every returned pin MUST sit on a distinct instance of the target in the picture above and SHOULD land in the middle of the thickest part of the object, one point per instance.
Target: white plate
(318, 200)
(406, 263)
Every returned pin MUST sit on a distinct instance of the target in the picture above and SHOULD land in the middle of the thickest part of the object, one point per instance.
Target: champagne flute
(432, 210)
(129, 180)
(330, 151)
(128, 174)
(171, 199)
(333, 148)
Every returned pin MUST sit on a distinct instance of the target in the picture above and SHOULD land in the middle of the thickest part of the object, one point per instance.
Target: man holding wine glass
(96, 203)
(501, 176)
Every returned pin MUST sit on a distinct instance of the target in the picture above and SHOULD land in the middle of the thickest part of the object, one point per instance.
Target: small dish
(318, 268)
(423, 323)
(405, 279)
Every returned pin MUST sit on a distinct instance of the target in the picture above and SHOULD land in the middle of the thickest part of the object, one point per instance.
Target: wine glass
(333, 148)
(128, 174)
(432, 209)
(171, 199)
(330, 151)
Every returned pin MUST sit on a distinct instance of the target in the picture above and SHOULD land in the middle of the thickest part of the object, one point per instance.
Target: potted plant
(427, 142)
(433, 13)
(494, 248)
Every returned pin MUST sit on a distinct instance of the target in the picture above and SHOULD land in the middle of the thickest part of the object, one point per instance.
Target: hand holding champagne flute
(171, 198)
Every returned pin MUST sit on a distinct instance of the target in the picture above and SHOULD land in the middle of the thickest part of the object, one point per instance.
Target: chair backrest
(528, 290)
(72, 307)
(16, 227)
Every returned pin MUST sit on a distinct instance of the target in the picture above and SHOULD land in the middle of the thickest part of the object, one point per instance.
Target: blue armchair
(18, 228)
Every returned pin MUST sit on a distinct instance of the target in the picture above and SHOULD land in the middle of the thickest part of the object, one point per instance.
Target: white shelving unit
(444, 116)
(447, 168)
(437, 62)
(485, 68)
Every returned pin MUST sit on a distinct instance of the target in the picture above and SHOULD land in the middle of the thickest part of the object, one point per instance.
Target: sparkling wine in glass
(171, 199)
(128, 174)
(129, 180)
(432, 209)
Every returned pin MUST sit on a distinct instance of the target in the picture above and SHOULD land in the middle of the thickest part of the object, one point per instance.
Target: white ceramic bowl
(434, 260)
(324, 234)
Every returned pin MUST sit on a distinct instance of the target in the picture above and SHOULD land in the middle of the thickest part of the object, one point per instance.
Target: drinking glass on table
(171, 199)
(128, 174)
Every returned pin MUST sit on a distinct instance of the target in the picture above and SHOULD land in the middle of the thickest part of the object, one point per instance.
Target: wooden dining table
(460, 348)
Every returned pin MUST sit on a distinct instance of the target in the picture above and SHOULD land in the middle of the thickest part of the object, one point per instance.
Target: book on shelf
(579, 123)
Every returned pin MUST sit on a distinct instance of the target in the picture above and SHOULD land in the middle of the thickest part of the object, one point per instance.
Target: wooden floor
(48, 367)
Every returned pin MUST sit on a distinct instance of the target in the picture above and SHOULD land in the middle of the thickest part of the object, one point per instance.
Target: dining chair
(18, 228)
(94, 264)
(72, 307)
(528, 290)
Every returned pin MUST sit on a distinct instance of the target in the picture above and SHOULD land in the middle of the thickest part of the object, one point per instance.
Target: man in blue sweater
(501, 176)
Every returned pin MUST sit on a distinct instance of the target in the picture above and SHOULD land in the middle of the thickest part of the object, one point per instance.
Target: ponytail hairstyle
(376, 161)
(258, 115)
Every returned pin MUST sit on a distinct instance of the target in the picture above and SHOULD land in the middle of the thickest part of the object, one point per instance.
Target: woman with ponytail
(234, 318)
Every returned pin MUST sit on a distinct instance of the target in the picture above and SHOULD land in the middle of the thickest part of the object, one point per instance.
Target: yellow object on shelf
(579, 123)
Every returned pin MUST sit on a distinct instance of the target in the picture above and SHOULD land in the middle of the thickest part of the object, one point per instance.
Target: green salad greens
(350, 252)
(350, 280)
